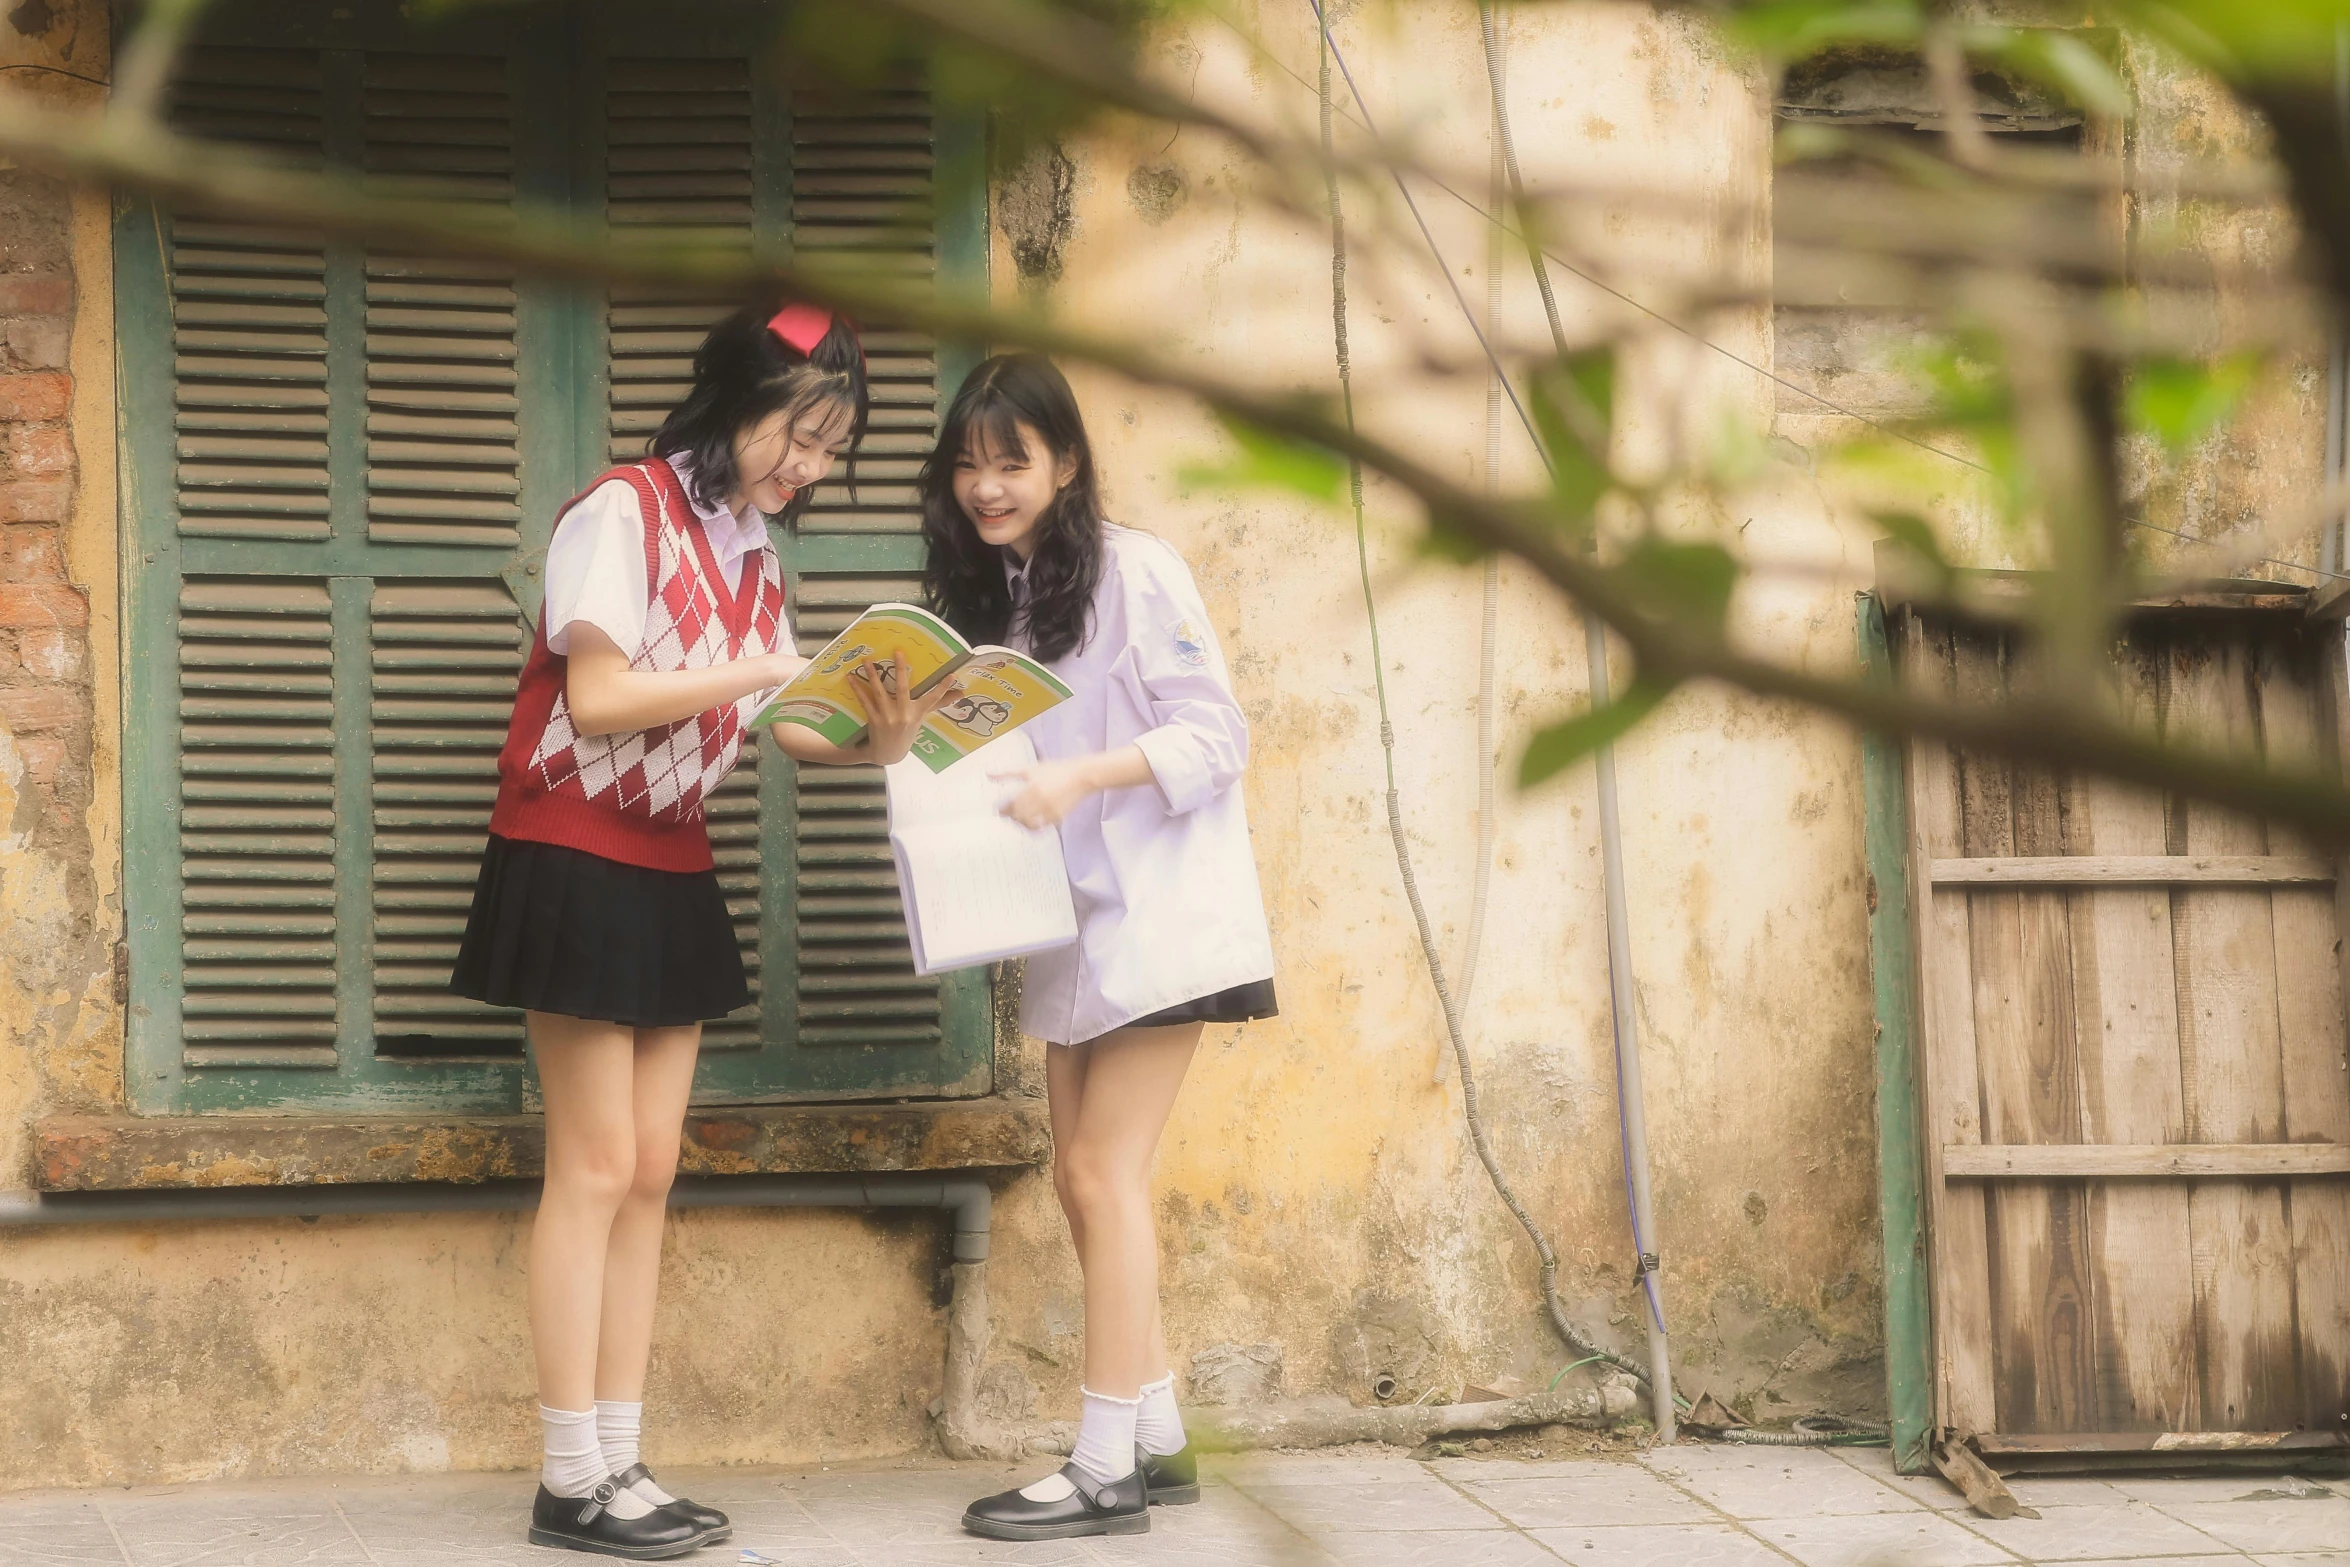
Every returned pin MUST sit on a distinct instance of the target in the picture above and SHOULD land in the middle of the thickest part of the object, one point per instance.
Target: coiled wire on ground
(1811, 1431)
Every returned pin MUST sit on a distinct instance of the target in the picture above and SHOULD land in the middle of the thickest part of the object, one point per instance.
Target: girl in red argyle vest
(598, 910)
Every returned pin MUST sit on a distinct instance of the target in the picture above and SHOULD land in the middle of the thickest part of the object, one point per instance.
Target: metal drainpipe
(969, 1199)
(1632, 1105)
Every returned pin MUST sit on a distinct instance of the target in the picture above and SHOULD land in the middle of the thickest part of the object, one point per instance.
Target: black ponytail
(743, 373)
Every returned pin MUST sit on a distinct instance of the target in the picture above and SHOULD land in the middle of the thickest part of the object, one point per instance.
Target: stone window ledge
(150, 1153)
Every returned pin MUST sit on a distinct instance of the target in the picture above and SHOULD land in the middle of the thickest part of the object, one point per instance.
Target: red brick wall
(44, 618)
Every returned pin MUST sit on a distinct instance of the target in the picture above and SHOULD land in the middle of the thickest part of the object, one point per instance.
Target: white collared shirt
(1168, 905)
(596, 561)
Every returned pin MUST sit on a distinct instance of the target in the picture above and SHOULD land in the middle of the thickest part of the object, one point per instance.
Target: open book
(978, 886)
(1001, 689)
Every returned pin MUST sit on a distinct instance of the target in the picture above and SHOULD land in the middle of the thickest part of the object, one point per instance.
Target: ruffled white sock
(1158, 1424)
(1105, 1446)
(619, 1432)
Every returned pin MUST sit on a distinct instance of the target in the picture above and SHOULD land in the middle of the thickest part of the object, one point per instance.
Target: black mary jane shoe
(586, 1523)
(1121, 1507)
(1172, 1479)
(713, 1524)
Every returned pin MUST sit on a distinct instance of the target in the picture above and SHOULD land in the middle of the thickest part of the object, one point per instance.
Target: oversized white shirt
(1168, 905)
(596, 561)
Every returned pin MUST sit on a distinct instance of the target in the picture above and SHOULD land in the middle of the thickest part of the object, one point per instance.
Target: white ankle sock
(574, 1463)
(1158, 1424)
(1105, 1446)
(618, 1430)
(1105, 1436)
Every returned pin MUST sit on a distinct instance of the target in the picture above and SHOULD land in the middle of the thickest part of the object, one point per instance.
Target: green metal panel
(962, 235)
(1909, 1381)
(150, 574)
(375, 584)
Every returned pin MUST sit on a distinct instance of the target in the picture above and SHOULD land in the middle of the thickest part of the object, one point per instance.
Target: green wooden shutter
(443, 428)
(864, 178)
(325, 460)
(340, 471)
(252, 679)
(701, 145)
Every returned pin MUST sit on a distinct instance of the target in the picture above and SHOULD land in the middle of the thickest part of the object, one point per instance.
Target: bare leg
(586, 1071)
(1123, 1092)
(664, 1077)
(1064, 1077)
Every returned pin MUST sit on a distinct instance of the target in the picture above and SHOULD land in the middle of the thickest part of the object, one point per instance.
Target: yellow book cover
(1001, 689)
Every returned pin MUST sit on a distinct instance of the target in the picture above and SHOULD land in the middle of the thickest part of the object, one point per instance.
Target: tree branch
(553, 243)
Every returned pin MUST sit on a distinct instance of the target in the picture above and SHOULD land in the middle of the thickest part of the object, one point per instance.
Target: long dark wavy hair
(964, 575)
(743, 373)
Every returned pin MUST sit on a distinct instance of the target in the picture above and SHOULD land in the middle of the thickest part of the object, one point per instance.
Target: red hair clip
(803, 326)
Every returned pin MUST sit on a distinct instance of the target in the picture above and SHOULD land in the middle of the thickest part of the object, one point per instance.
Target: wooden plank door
(2134, 1089)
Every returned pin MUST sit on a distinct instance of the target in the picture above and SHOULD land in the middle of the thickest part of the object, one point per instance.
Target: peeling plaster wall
(1317, 1198)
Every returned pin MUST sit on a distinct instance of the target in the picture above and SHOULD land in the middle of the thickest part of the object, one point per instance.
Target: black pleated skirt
(564, 931)
(1240, 1004)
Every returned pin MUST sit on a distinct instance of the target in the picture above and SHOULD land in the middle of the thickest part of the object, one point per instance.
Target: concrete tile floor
(1686, 1506)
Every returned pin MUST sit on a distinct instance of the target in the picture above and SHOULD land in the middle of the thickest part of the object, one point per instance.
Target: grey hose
(1559, 1320)
(1812, 1431)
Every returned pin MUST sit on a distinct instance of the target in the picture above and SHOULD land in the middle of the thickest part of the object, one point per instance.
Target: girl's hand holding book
(892, 717)
(1055, 788)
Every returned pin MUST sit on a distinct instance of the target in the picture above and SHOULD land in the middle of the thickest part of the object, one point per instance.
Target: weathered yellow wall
(1316, 1191)
(60, 676)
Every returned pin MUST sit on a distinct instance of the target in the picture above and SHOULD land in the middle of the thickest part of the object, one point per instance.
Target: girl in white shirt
(1139, 772)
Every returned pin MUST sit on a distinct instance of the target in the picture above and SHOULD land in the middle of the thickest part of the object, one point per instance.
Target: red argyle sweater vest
(637, 797)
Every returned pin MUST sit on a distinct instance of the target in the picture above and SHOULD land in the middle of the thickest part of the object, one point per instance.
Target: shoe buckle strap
(631, 1475)
(597, 1500)
(1096, 1494)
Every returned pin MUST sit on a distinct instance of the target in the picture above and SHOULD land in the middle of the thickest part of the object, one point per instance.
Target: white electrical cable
(1489, 624)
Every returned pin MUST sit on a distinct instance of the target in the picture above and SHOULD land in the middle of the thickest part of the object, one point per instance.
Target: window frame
(556, 73)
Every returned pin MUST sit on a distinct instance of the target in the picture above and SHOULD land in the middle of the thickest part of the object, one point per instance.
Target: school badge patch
(1191, 644)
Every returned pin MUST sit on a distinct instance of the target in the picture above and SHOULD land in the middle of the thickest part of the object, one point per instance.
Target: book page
(824, 697)
(977, 885)
(1001, 691)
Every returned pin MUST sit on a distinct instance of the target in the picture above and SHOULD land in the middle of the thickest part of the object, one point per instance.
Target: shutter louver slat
(257, 904)
(248, 306)
(445, 659)
(443, 388)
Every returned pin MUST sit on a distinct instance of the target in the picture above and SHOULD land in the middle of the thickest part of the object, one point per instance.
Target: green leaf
(2178, 400)
(1568, 741)
(2292, 39)
(1269, 461)
(1791, 29)
(1687, 582)
(1573, 403)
